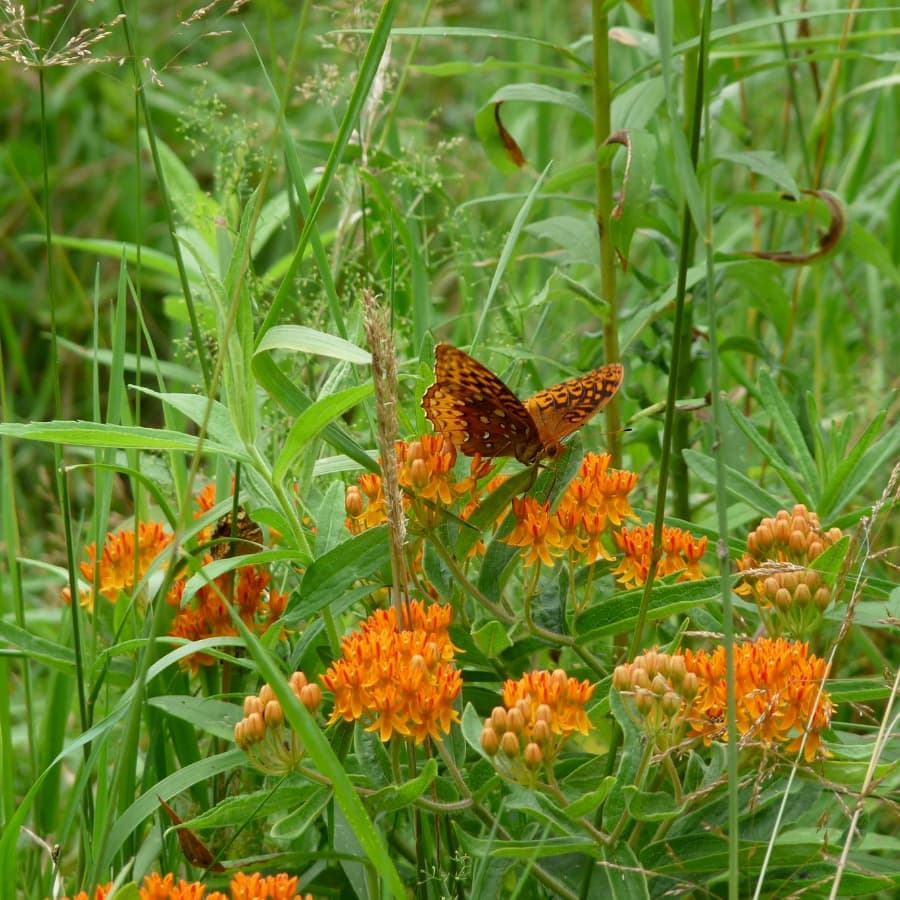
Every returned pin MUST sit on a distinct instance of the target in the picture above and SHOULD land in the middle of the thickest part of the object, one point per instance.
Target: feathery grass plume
(384, 369)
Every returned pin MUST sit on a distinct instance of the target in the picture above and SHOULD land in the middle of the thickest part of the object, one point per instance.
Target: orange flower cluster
(206, 614)
(272, 747)
(659, 685)
(426, 473)
(596, 495)
(791, 595)
(682, 552)
(777, 689)
(119, 572)
(398, 681)
(243, 887)
(540, 712)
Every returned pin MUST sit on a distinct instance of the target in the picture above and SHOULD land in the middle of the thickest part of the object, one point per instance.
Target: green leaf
(194, 406)
(737, 485)
(767, 164)
(213, 716)
(334, 572)
(786, 425)
(304, 815)
(122, 437)
(620, 612)
(313, 420)
(299, 339)
(491, 639)
(23, 643)
(492, 134)
(769, 452)
(575, 237)
(590, 801)
(394, 797)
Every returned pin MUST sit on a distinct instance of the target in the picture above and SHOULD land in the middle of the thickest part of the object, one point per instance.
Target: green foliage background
(175, 192)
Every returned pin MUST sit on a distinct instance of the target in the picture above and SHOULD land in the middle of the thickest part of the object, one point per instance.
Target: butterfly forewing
(476, 411)
(559, 410)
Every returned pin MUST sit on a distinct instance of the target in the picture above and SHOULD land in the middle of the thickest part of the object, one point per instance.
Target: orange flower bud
(823, 597)
(252, 704)
(802, 595)
(540, 732)
(498, 719)
(543, 713)
(490, 743)
(783, 598)
(515, 722)
(622, 677)
(297, 682)
(266, 694)
(534, 756)
(274, 714)
(671, 704)
(256, 727)
(509, 744)
(353, 501)
(311, 696)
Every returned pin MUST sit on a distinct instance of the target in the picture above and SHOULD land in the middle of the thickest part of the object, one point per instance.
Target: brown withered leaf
(194, 850)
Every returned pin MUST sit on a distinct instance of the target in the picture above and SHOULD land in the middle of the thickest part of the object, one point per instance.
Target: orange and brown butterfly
(235, 538)
(478, 413)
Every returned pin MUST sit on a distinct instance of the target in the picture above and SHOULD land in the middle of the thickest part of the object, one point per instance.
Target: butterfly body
(478, 413)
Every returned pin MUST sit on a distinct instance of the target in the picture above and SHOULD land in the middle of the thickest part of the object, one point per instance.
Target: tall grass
(194, 211)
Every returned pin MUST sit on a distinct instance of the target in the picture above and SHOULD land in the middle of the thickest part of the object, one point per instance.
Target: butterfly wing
(476, 411)
(559, 410)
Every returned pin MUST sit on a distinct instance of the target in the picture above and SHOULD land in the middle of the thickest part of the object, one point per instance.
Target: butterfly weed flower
(206, 614)
(682, 553)
(270, 743)
(399, 681)
(119, 570)
(777, 689)
(253, 886)
(659, 687)
(790, 594)
(540, 712)
(595, 496)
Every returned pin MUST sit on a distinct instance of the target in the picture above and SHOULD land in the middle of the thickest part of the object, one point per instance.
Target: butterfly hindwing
(475, 410)
(559, 410)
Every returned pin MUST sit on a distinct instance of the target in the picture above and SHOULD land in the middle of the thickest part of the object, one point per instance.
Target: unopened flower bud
(671, 703)
(822, 597)
(297, 682)
(274, 714)
(690, 686)
(541, 732)
(256, 727)
(418, 472)
(311, 696)
(509, 744)
(543, 713)
(798, 542)
(490, 743)
(677, 669)
(498, 719)
(783, 598)
(802, 595)
(515, 722)
(622, 677)
(659, 685)
(266, 694)
(815, 547)
(353, 501)
(640, 680)
(534, 756)
(252, 704)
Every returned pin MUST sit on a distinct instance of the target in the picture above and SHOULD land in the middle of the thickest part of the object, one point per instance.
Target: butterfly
(232, 538)
(478, 413)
